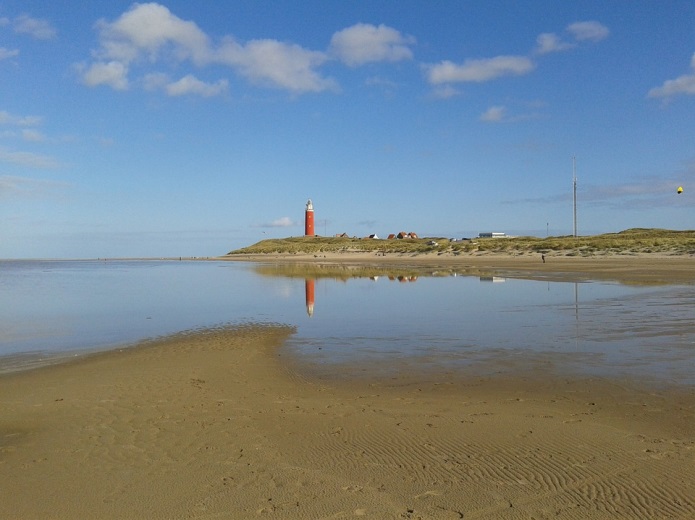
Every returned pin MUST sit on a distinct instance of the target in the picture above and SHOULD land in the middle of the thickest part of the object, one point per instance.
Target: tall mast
(574, 185)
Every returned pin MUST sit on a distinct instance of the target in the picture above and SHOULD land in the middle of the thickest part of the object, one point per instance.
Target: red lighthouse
(309, 219)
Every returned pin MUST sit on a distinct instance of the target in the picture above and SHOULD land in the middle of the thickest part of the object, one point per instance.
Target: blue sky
(192, 128)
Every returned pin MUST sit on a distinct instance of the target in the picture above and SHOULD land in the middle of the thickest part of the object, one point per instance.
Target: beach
(223, 423)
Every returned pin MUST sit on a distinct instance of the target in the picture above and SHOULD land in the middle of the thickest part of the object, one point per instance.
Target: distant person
(543, 257)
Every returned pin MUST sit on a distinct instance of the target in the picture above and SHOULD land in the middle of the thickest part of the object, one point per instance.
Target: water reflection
(359, 316)
(447, 321)
(309, 295)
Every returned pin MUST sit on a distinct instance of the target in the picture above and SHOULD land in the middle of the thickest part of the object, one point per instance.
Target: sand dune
(221, 424)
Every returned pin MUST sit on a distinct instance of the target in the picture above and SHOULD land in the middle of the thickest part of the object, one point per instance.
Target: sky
(180, 128)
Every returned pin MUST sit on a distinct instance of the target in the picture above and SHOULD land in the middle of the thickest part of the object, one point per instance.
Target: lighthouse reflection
(311, 273)
(309, 289)
(471, 317)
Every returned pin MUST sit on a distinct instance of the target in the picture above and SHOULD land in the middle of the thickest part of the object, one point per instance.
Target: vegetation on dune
(317, 245)
(631, 241)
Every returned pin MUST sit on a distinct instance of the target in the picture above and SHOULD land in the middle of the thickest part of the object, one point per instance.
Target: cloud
(29, 134)
(28, 159)
(647, 191)
(445, 92)
(281, 222)
(155, 81)
(500, 114)
(15, 187)
(681, 85)
(8, 119)
(482, 70)
(551, 42)
(191, 85)
(149, 30)
(478, 71)
(8, 53)
(494, 114)
(588, 31)
(365, 43)
(276, 64)
(547, 43)
(34, 27)
(113, 74)
(149, 34)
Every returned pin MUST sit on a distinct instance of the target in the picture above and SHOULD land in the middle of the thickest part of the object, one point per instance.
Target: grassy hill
(631, 241)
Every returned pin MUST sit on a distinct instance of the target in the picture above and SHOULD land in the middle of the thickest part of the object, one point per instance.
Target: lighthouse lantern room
(309, 219)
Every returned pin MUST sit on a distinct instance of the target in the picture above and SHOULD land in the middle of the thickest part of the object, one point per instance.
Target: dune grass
(628, 242)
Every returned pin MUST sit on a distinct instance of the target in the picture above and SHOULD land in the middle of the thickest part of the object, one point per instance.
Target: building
(403, 234)
(309, 220)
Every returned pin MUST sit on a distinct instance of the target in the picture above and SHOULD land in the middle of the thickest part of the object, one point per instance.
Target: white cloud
(34, 27)
(32, 135)
(191, 85)
(588, 31)
(478, 70)
(280, 222)
(445, 91)
(547, 43)
(681, 85)
(155, 81)
(500, 114)
(551, 42)
(277, 64)
(494, 114)
(28, 159)
(8, 119)
(8, 53)
(364, 43)
(14, 187)
(148, 30)
(150, 33)
(113, 74)
(447, 72)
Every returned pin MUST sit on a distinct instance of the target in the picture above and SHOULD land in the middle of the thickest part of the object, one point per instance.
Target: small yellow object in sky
(679, 190)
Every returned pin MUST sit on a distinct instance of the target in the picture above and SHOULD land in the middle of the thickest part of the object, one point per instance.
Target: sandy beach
(224, 424)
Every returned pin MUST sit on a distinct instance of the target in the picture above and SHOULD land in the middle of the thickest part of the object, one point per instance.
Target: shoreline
(226, 423)
(222, 423)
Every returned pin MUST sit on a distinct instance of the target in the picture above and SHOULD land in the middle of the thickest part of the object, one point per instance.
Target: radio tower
(574, 185)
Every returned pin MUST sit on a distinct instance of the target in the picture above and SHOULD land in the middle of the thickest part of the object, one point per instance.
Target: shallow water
(439, 320)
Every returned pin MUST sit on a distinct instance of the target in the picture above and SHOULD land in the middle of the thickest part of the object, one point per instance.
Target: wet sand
(224, 424)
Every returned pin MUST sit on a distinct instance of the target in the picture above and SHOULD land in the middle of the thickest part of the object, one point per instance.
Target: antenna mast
(574, 185)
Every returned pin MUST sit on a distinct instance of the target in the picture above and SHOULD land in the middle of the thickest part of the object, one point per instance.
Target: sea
(350, 320)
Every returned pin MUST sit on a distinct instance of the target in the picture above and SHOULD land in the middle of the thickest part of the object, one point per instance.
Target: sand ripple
(219, 424)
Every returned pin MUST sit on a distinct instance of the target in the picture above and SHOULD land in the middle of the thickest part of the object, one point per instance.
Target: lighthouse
(309, 220)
